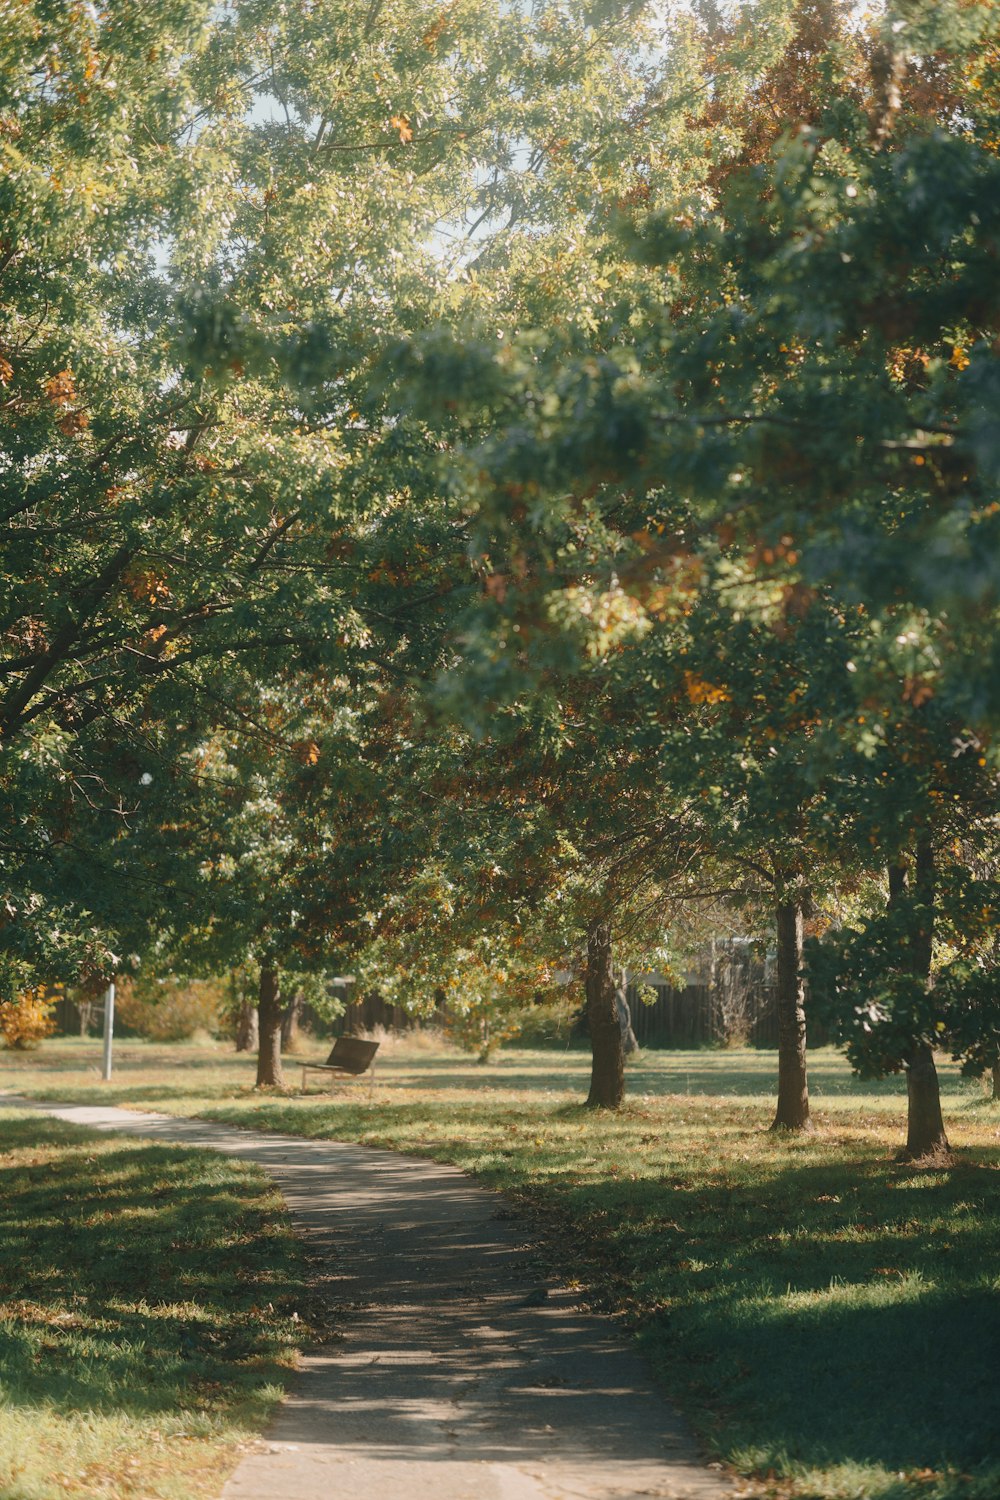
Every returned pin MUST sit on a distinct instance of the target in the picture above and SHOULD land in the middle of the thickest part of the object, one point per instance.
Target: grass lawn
(829, 1320)
(146, 1294)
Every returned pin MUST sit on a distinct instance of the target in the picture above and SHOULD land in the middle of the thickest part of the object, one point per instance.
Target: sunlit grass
(146, 1295)
(828, 1318)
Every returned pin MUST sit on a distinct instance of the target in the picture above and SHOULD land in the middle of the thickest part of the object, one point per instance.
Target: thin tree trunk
(793, 1088)
(925, 1133)
(924, 886)
(269, 1027)
(290, 1023)
(624, 1013)
(607, 1076)
(996, 1081)
(246, 1027)
(897, 881)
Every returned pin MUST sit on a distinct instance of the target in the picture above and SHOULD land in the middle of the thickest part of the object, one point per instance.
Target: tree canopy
(479, 479)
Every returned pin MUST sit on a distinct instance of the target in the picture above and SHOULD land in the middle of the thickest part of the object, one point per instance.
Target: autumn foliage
(28, 1019)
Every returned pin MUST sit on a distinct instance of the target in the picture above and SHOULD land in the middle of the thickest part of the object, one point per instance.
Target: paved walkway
(456, 1377)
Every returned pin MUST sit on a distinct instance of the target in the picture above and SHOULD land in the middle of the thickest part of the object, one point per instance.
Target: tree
(910, 975)
(218, 222)
(785, 389)
(542, 845)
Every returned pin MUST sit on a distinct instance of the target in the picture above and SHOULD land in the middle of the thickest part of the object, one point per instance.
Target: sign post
(109, 1029)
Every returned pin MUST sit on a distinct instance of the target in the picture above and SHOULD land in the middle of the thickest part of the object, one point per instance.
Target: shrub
(170, 1010)
(25, 1020)
(551, 1020)
(484, 1027)
(492, 1022)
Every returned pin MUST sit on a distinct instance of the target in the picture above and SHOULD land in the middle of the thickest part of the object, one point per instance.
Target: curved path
(456, 1377)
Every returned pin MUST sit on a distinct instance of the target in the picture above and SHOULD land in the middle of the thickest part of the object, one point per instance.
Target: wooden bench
(350, 1058)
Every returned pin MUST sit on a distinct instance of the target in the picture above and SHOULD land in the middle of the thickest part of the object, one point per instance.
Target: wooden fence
(693, 1017)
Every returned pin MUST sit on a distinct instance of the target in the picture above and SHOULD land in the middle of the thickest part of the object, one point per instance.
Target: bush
(491, 1023)
(25, 1020)
(170, 1010)
(551, 1020)
(482, 1030)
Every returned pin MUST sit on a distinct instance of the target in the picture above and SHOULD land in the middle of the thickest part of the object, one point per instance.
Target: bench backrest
(352, 1054)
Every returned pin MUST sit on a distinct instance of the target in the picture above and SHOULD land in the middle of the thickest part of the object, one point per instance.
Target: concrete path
(456, 1376)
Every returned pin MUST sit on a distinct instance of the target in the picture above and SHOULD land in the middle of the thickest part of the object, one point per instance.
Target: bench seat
(351, 1058)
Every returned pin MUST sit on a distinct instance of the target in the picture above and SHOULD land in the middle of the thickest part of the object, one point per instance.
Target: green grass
(146, 1295)
(829, 1319)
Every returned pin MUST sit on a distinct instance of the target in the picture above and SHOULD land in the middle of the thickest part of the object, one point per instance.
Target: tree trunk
(924, 886)
(290, 1023)
(996, 1081)
(624, 1013)
(897, 881)
(607, 1076)
(925, 1134)
(793, 1088)
(269, 1026)
(246, 1027)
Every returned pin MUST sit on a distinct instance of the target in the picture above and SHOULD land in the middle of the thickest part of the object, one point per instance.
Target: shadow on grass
(840, 1313)
(907, 1386)
(812, 1304)
(137, 1278)
(142, 1095)
(713, 1072)
(746, 1073)
(151, 1074)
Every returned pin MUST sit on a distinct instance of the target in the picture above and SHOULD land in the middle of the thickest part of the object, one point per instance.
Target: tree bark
(897, 881)
(924, 885)
(793, 1087)
(246, 1027)
(607, 1076)
(290, 1023)
(925, 1133)
(624, 1013)
(269, 1027)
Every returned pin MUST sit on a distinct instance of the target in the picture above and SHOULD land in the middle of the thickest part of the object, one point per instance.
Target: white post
(109, 1029)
